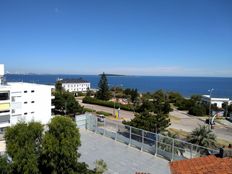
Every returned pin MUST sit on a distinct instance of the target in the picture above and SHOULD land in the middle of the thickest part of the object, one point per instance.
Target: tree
(58, 86)
(23, 147)
(60, 145)
(203, 136)
(29, 150)
(133, 93)
(167, 142)
(103, 92)
(150, 121)
(197, 110)
(65, 102)
(4, 165)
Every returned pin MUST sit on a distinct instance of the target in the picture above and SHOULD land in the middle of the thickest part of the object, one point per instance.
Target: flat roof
(214, 98)
(80, 80)
(120, 158)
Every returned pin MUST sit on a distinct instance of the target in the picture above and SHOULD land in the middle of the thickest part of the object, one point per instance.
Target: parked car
(100, 118)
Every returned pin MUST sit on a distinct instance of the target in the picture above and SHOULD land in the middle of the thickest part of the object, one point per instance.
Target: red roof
(202, 165)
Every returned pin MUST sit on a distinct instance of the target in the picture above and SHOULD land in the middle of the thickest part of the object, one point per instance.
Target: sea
(186, 86)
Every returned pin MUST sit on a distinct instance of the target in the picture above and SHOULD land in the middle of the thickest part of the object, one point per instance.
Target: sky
(130, 37)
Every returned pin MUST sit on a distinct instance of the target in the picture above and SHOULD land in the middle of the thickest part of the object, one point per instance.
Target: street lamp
(210, 93)
(114, 103)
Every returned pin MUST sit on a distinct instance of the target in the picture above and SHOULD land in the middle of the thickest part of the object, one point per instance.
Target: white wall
(30, 102)
(1, 70)
(76, 87)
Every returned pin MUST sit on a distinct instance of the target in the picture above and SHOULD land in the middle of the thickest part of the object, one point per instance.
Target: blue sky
(145, 37)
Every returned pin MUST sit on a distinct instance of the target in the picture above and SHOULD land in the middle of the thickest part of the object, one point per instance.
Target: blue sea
(186, 86)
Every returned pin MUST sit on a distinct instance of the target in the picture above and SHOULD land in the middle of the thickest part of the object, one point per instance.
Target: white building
(217, 101)
(1, 73)
(25, 102)
(75, 85)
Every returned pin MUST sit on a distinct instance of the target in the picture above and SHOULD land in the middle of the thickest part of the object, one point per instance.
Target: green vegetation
(149, 121)
(103, 92)
(203, 136)
(88, 110)
(101, 167)
(65, 102)
(106, 103)
(132, 94)
(32, 150)
(103, 113)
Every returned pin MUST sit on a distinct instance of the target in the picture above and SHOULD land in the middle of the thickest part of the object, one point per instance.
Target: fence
(156, 144)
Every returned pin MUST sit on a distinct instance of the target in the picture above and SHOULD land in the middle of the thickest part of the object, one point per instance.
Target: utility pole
(210, 93)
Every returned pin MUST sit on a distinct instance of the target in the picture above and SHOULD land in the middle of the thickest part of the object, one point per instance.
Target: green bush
(89, 110)
(103, 113)
(197, 110)
(110, 104)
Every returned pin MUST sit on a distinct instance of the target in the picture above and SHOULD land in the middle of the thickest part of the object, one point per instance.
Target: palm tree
(166, 143)
(203, 136)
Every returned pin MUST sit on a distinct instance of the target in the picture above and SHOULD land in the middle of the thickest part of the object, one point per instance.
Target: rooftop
(80, 80)
(120, 158)
(214, 98)
(202, 165)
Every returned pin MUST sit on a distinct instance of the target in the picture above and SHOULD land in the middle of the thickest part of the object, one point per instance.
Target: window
(25, 102)
(32, 91)
(25, 113)
(32, 112)
(32, 101)
(4, 96)
(25, 91)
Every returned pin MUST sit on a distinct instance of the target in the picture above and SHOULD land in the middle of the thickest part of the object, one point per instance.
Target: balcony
(4, 107)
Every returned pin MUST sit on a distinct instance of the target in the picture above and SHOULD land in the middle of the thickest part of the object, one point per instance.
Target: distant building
(24, 102)
(75, 85)
(218, 101)
(1, 73)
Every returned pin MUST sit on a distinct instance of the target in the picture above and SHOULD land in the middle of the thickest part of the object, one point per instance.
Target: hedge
(110, 104)
(103, 113)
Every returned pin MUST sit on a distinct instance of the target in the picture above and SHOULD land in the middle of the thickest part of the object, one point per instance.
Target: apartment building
(75, 85)
(25, 102)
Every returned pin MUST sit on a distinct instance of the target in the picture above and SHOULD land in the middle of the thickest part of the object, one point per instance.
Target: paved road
(126, 115)
(188, 123)
(183, 122)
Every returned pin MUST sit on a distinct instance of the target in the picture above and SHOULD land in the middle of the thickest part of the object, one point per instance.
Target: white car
(100, 118)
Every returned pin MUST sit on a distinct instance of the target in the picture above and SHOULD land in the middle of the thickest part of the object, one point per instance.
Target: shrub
(103, 113)
(89, 110)
(110, 104)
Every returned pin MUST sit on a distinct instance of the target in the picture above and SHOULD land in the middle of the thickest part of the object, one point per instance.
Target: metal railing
(156, 144)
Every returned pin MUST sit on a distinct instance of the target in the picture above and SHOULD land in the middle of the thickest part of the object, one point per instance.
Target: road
(126, 115)
(183, 121)
(187, 123)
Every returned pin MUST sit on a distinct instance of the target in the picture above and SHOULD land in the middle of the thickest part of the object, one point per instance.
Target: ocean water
(186, 86)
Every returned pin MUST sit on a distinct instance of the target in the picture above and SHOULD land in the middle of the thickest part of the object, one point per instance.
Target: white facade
(217, 101)
(26, 102)
(1, 72)
(75, 85)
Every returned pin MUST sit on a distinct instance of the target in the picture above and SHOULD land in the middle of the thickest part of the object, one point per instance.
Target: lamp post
(114, 103)
(210, 93)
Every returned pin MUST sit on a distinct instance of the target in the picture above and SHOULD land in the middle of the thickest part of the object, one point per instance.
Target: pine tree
(103, 88)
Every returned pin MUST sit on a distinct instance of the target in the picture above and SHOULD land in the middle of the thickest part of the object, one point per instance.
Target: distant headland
(112, 75)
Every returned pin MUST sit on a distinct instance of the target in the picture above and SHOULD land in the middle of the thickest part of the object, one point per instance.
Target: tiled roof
(202, 165)
(80, 80)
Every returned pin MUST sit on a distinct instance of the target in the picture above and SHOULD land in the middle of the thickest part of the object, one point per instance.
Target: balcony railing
(156, 144)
